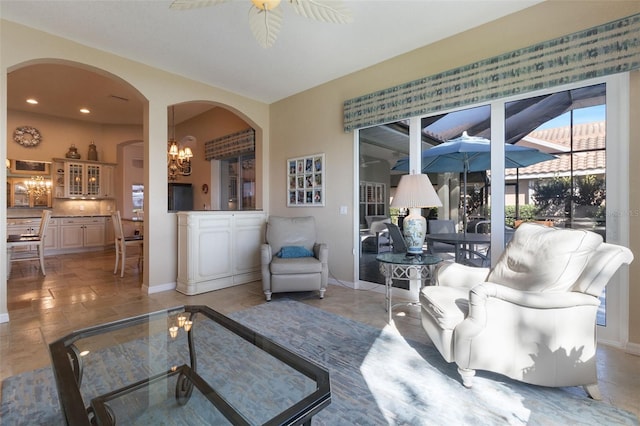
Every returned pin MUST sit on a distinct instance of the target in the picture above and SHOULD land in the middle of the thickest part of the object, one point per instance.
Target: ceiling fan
(366, 163)
(265, 17)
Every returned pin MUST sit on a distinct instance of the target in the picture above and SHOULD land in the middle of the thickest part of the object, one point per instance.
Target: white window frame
(616, 332)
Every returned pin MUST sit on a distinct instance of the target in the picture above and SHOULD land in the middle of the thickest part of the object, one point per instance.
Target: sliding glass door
(569, 191)
(581, 125)
(379, 150)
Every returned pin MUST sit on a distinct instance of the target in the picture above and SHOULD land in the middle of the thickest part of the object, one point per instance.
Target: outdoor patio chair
(397, 240)
(441, 226)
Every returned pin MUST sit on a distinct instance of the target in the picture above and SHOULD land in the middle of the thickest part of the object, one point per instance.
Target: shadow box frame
(306, 181)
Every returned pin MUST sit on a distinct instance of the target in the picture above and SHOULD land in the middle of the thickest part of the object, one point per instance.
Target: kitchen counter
(57, 216)
(22, 220)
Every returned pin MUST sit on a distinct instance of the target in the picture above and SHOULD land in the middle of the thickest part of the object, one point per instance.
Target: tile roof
(586, 137)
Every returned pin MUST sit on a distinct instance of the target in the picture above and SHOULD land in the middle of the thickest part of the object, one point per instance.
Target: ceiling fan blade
(192, 4)
(265, 25)
(332, 11)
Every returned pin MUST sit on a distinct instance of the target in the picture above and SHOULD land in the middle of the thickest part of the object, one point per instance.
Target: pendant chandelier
(37, 186)
(178, 157)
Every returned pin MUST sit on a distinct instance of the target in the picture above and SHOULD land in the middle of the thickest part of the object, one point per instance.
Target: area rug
(377, 378)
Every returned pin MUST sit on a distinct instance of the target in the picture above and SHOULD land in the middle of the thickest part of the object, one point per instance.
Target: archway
(116, 113)
(198, 123)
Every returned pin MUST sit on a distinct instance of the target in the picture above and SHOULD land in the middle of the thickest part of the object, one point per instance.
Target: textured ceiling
(214, 44)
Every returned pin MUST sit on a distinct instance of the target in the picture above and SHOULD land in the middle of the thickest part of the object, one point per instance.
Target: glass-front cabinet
(77, 179)
(83, 180)
(19, 196)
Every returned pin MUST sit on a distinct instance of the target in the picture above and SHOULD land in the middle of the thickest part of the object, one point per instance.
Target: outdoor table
(461, 241)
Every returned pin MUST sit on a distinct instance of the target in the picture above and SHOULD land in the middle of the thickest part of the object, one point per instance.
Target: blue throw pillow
(289, 252)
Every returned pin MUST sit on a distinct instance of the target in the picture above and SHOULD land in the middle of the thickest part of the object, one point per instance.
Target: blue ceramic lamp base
(415, 229)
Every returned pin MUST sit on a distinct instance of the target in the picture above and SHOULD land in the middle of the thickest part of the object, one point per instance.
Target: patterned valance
(606, 49)
(232, 145)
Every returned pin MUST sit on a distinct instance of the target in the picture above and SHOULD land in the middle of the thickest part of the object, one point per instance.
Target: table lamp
(415, 192)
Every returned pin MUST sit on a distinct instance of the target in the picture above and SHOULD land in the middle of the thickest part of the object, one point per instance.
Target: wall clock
(27, 136)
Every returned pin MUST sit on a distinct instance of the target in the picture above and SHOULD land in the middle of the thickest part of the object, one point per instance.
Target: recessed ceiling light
(84, 110)
(32, 101)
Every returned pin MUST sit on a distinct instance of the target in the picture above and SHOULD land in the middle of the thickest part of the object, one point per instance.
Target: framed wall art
(305, 181)
(23, 167)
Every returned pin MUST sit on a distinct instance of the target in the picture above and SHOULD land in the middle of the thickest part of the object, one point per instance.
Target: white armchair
(305, 269)
(533, 316)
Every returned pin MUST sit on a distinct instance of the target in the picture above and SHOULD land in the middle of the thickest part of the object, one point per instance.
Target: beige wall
(21, 46)
(311, 121)
(58, 135)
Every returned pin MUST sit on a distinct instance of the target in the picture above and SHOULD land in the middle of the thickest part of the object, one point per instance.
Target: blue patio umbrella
(466, 154)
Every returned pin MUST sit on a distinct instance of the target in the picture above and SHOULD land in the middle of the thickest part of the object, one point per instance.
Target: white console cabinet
(218, 249)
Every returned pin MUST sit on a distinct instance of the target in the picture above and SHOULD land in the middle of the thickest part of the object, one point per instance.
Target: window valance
(603, 50)
(232, 145)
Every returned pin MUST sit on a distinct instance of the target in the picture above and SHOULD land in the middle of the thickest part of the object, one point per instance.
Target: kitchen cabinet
(81, 232)
(23, 226)
(107, 186)
(218, 249)
(32, 226)
(83, 179)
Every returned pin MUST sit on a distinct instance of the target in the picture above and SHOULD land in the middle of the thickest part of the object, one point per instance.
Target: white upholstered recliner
(297, 235)
(533, 316)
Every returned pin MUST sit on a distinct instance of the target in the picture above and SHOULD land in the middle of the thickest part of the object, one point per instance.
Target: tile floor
(81, 290)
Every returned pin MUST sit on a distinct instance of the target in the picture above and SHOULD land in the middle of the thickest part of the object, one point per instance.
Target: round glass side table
(400, 266)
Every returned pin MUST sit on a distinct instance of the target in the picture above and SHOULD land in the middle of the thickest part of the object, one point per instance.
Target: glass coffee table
(184, 366)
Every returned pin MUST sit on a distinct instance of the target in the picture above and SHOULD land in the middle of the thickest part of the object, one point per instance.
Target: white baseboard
(357, 286)
(632, 348)
(159, 288)
(347, 284)
(612, 343)
(4, 318)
